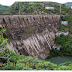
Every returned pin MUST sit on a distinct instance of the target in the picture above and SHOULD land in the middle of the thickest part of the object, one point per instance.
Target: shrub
(63, 27)
(65, 42)
(3, 43)
(67, 47)
(65, 66)
(61, 68)
(54, 52)
(45, 65)
(62, 39)
(15, 68)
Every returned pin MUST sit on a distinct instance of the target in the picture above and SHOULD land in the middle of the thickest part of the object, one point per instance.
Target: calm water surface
(60, 59)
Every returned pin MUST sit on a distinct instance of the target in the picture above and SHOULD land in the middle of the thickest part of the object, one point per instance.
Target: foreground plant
(3, 42)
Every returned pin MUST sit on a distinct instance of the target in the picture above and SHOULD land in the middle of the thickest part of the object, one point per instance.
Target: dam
(30, 35)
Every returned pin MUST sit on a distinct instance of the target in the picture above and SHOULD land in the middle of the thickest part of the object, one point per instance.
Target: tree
(3, 43)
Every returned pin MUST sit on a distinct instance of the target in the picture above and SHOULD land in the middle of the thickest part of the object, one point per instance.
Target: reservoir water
(60, 59)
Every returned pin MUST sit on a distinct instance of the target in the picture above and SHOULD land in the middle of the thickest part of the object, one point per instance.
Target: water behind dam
(60, 59)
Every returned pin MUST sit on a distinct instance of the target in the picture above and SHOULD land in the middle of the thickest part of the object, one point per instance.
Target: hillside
(36, 8)
(3, 9)
(68, 4)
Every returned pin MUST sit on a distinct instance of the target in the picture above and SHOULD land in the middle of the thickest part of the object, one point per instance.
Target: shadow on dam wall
(30, 35)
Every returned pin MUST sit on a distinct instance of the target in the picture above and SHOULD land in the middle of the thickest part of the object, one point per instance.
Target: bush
(15, 68)
(45, 65)
(70, 30)
(63, 27)
(62, 39)
(61, 68)
(3, 43)
(69, 19)
(65, 66)
(65, 42)
(54, 52)
(67, 47)
(38, 64)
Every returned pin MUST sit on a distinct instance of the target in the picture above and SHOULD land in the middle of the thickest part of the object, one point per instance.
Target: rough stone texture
(64, 23)
(31, 35)
(56, 47)
(47, 7)
(59, 33)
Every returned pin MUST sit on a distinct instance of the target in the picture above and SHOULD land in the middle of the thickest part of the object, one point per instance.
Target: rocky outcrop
(31, 35)
(55, 46)
(64, 23)
(64, 33)
(36, 45)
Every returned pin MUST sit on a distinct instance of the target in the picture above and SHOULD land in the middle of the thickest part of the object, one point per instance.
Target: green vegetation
(65, 66)
(65, 42)
(21, 62)
(68, 4)
(69, 26)
(63, 27)
(3, 9)
(54, 53)
(36, 8)
(64, 8)
(3, 43)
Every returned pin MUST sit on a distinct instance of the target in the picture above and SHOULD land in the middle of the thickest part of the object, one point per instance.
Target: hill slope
(3, 9)
(36, 8)
(68, 4)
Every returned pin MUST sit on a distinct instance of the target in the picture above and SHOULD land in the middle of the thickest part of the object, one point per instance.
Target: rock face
(64, 23)
(59, 33)
(31, 35)
(58, 47)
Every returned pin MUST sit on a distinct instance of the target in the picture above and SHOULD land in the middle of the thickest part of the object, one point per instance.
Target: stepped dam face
(30, 35)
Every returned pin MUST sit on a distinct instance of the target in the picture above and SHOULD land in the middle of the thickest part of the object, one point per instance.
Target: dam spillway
(30, 35)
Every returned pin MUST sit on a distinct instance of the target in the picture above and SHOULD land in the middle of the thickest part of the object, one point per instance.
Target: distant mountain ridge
(34, 8)
(3, 8)
(68, 4)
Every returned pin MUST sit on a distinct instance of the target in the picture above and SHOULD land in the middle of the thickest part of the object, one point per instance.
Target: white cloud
(10, 2)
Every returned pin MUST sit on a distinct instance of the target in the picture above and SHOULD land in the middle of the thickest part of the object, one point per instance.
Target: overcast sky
(10, 2)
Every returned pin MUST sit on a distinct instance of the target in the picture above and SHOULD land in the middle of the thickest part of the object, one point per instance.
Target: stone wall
(31, 35)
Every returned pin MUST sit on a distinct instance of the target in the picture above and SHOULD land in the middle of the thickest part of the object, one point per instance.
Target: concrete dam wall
(30, 35)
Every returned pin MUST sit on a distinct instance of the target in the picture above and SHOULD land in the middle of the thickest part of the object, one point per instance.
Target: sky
(10, 2)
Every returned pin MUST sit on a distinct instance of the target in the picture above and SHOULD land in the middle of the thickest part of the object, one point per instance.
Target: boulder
(59, 33)
(64, 23)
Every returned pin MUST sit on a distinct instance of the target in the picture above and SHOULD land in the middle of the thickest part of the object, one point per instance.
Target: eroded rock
(31, 35)
(59, 33)
(64, 23)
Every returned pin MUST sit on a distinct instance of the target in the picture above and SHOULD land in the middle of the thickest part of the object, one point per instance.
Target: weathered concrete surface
(59, 33)
(58, 47)
(36, 45)
(31, 34)
(64, 23)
